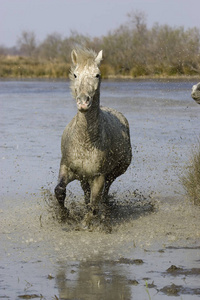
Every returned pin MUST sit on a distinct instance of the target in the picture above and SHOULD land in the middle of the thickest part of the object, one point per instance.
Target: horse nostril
(88, 99)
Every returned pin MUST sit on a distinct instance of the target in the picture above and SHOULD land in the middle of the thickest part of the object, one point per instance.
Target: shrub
(106, 71)
(191, 180)
(138, 70)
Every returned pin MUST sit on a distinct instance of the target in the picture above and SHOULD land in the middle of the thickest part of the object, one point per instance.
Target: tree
(27, 43)
(51, 47)
(137, 20)
(118, 49)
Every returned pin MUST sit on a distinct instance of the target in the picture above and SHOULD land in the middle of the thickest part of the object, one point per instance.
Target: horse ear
(99, 57)
(74, 57)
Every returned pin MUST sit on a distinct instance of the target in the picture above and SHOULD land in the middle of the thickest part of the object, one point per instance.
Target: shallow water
(40, 256)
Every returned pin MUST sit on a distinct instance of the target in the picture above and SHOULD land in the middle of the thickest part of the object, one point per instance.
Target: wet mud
(115, 211)
(148, 245)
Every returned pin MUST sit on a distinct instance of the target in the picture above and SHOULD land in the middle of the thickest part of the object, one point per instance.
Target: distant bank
(25, 67)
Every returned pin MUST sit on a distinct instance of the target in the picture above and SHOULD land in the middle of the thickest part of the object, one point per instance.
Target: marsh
(40, 256)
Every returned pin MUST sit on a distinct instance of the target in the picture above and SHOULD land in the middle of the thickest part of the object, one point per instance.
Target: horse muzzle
(83, 102)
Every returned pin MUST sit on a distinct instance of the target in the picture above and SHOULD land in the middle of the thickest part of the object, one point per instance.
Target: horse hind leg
(108, 183)
(110, 178)
(87, 191)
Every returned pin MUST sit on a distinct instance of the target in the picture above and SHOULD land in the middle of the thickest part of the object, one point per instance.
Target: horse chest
(84, 162)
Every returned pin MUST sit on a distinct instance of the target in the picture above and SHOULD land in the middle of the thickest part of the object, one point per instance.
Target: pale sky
(88, 17)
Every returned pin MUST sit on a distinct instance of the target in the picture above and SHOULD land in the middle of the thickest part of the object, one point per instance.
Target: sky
(89, 17)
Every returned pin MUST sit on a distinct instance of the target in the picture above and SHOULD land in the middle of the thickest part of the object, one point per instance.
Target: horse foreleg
(96, 192)
(97, 187)
(65, 177)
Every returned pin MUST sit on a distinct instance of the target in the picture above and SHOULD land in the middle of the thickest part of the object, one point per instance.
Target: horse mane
(84, 57)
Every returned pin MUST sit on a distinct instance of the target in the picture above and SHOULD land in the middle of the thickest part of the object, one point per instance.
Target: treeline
(130, 50)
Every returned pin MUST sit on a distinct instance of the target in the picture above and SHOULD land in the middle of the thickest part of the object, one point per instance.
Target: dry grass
(191, 180)
(27, 67)
(23, 67)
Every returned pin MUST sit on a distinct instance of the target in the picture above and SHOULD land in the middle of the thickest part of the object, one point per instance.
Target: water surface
(39, 256)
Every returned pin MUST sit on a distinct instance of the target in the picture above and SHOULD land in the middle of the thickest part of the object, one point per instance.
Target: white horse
(196, 92)
(95, 145)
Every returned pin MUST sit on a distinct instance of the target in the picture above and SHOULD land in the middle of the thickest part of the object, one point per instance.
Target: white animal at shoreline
(196, 92)
(95, 145)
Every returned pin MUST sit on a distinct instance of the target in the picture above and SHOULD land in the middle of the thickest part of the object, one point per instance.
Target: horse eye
(98, 75)
(75, 76)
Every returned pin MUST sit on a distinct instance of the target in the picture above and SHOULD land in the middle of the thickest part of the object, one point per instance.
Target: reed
(191, 180)
(23, 67)
(33, 67)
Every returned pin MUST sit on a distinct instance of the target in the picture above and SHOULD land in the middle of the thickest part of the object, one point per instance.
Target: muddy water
(153, 249)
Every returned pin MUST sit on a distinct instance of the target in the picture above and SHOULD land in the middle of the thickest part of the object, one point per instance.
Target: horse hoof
(60, 194)
(63, 214)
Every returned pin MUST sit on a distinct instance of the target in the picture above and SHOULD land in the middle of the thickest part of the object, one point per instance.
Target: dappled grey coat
(196, 92)
(95, 145)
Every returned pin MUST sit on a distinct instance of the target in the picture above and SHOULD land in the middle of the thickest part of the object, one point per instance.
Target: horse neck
(88, 122)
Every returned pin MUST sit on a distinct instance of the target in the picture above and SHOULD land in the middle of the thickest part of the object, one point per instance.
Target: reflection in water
(92, 280)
